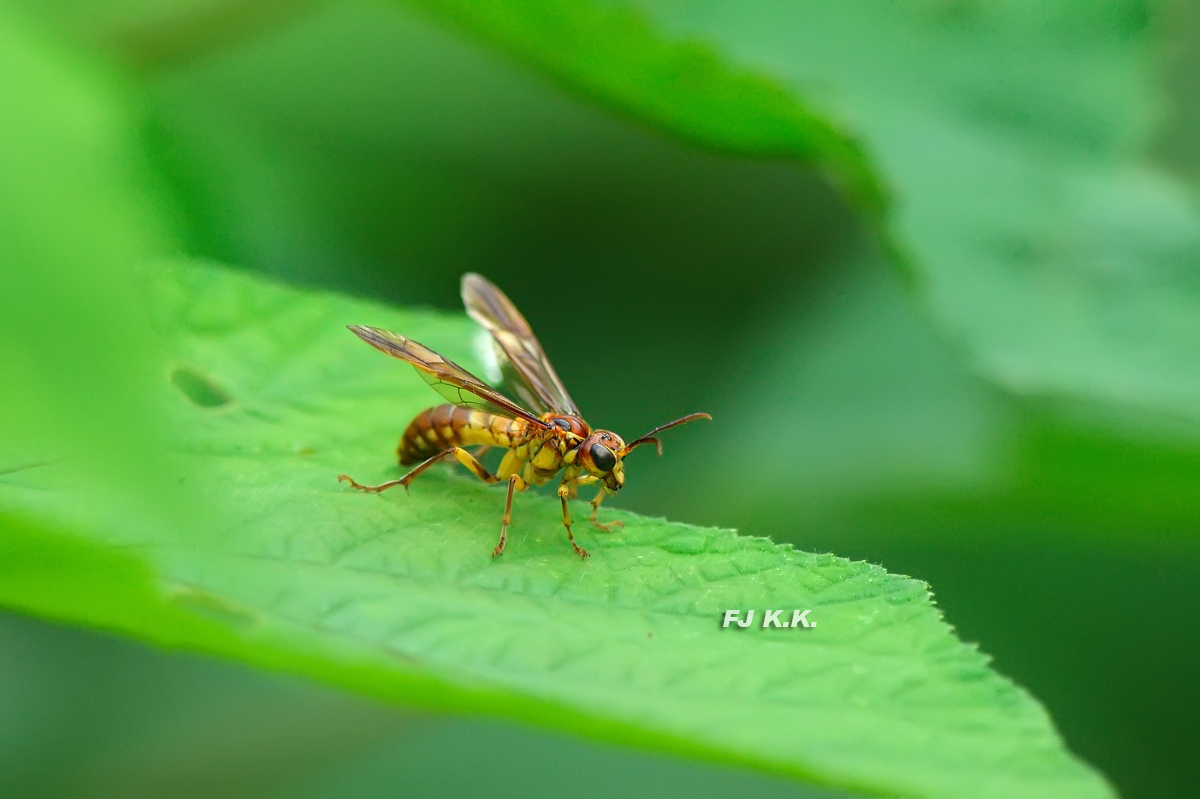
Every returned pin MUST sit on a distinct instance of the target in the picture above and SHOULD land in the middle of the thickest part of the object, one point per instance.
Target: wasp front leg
(596, 506)
(588, 479)
(564, 493)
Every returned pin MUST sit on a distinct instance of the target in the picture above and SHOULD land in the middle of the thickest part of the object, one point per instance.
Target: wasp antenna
(650, 438)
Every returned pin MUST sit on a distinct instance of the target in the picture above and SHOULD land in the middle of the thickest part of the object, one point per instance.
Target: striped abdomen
(437, 429)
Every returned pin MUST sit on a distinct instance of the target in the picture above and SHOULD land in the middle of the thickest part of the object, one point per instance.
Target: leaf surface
(267, 398)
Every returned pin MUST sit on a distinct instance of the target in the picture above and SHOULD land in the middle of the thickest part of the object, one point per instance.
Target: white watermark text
(770, 618)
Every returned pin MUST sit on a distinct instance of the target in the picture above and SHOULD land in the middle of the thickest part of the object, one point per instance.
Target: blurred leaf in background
(88, 717)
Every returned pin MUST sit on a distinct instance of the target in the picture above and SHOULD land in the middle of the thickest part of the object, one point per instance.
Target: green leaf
(617, 57)
(1008, 135)
(268, 398)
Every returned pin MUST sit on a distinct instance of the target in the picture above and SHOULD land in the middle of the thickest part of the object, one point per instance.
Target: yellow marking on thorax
(548, 457)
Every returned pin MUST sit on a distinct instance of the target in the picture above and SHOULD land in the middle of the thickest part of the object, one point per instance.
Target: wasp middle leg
(515, 483)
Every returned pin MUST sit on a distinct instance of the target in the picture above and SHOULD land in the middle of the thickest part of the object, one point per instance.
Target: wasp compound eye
(603, 457)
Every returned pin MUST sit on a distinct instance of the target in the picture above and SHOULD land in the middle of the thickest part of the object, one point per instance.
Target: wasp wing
(446, 377)
(522, 360)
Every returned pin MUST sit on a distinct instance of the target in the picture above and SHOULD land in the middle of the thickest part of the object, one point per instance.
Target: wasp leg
(564, 491)
(596, 506)
(464, 457)
(514, 483)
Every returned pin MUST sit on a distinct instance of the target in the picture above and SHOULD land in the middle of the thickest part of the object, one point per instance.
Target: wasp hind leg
(515, 483)
(463, 457)
(564, 492)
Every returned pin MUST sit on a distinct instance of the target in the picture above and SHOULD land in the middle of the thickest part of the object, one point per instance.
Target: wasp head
(601, 453)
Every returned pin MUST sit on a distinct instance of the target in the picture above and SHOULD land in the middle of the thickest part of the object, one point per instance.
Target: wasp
(540, 444)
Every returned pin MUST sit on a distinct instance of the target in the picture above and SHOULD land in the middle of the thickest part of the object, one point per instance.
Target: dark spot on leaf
(200, 389)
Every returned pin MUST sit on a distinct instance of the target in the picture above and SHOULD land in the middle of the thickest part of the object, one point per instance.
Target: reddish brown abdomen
(435, 430)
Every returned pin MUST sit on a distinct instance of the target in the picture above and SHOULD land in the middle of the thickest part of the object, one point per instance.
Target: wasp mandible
(539, 446)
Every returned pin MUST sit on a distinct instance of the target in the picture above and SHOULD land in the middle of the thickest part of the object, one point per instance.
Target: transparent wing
(522, 360)
(446, 377)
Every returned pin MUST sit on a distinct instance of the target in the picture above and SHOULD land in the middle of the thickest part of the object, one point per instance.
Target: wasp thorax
(572, 424)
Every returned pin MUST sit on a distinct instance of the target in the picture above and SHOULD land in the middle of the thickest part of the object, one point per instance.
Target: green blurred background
(371, 149)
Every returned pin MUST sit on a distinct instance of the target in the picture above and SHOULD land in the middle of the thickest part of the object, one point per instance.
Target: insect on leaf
(397, 595)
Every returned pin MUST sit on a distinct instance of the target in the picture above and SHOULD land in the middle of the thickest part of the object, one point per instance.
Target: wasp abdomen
(436, 429)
